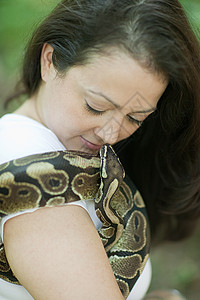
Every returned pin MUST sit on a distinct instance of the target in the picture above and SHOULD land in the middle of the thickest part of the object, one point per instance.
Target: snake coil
(60, 177)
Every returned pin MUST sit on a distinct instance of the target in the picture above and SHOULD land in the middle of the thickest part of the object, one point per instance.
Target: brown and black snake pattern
(55, 178)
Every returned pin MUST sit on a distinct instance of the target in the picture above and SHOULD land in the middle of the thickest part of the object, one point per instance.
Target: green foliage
(192, 9)
(176, 266)
(18, 20)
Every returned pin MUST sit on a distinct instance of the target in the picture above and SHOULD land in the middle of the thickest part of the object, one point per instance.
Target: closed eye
(93, 110)
(133, 120)
(100, 112)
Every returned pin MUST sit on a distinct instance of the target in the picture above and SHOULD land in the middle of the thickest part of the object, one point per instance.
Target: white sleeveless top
(21, 136)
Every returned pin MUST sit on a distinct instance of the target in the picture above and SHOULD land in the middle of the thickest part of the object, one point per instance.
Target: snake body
(56, 178)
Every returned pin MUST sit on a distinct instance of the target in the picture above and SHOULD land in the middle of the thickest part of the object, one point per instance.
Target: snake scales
(60, 177)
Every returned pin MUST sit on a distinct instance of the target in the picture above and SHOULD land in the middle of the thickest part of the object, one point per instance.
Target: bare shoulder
(56, 253)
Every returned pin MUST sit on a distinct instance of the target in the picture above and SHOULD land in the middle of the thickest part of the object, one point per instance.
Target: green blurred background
(174, 265)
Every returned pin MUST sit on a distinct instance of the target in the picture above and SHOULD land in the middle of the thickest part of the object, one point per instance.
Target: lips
(90, 145)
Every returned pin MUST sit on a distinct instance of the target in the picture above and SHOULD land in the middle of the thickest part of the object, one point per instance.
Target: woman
(93, 72)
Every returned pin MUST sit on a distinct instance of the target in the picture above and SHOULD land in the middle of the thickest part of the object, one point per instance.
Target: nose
(110, 131)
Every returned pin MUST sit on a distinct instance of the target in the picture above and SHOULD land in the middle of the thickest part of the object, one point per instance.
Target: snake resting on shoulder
(56, 178)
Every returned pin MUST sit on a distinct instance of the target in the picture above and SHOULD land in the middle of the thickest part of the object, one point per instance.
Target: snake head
(110, 164)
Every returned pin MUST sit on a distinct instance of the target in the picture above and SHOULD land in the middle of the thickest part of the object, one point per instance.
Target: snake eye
(99, 181)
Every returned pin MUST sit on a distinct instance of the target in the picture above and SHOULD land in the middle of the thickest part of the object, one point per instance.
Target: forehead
(120, 78)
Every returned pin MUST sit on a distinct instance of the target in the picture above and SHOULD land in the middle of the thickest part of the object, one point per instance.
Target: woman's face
(102, 102)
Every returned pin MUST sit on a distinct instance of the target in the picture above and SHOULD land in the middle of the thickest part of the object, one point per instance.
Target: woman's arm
(56, 253)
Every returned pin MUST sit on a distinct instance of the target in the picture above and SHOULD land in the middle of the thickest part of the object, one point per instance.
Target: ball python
(55, 178)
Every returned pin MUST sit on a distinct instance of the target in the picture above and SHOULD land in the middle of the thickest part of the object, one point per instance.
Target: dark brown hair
(163, 157)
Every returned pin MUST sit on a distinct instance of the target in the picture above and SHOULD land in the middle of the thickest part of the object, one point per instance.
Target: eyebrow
(152, 109)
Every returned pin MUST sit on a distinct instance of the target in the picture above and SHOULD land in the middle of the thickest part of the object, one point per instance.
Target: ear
(47, 68)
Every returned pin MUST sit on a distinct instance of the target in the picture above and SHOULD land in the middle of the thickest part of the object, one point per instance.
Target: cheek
(126, 133)
(75, 119)
(127, 130)
(67, 111)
